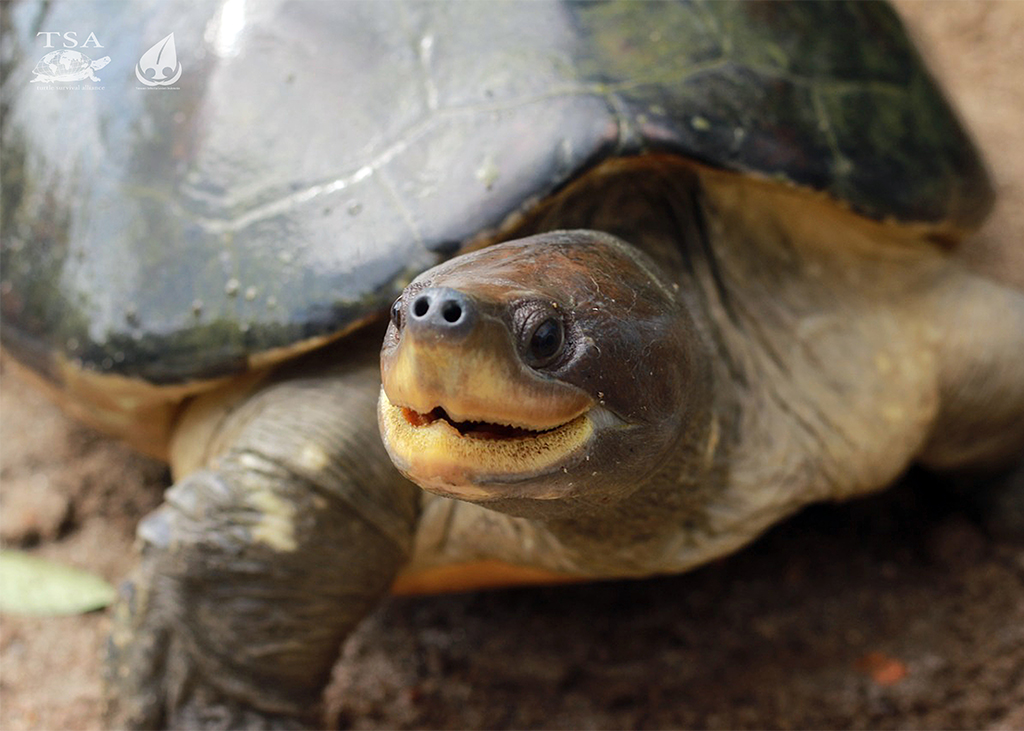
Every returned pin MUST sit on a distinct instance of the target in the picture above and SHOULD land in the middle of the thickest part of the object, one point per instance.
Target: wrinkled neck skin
(800, 309)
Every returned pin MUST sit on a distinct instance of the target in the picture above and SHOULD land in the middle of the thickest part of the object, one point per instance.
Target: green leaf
(35, 586)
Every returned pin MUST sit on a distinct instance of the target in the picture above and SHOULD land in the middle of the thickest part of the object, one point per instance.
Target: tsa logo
(159, 65)
(67, 64)
(63, 66)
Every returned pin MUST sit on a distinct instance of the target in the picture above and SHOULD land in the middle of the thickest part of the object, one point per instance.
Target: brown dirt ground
(890, 612)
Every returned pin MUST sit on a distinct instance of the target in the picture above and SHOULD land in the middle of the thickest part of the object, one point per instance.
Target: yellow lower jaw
(438, 458)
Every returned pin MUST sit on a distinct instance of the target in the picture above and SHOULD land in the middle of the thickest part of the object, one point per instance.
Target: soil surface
(894, 611)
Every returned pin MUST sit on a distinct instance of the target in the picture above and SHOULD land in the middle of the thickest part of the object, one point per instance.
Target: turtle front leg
(256, 568)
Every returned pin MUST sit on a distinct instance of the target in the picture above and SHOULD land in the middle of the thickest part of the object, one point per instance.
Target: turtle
(67, 65)
(441, 296)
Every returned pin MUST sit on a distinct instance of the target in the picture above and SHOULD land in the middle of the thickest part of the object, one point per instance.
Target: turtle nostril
(421, 306)
(440, 312)
(451, 312)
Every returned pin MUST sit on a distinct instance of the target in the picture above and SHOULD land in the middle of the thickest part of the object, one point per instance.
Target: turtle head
(553, 370)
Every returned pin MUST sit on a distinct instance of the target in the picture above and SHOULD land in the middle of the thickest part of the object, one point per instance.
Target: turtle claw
(208, 709)
(152, 679)
(162, 690)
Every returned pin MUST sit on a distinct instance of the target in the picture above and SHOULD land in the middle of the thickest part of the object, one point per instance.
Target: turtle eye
(396, 314)
(545, 342)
